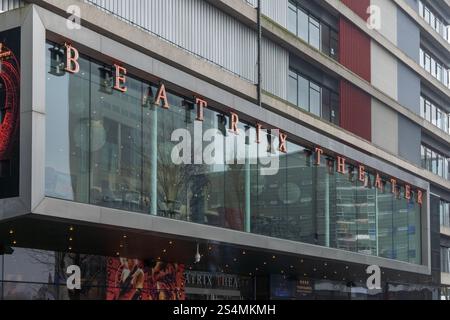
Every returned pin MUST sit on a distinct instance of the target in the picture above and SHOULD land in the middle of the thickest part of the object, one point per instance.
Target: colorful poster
(9, 112)
(134, 279)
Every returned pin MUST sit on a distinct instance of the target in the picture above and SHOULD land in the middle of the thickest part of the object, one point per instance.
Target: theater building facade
(150, 179)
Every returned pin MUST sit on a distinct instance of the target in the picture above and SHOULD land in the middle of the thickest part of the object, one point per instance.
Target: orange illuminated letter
(234, 123)
(407, 192)
(201, 104)
(120, 79)
(362, 173)
(162, 95)
(72, 56)
(394, 186)
(283, 147)
(319, 153)
(378, 182)
(341, 165)
(419, 197)
(258, 133)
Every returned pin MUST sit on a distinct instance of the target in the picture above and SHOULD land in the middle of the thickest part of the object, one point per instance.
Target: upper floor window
(312, 30)
(313, 97)
(434, 114)
(433, 66)
(445, 260)
(435, 162)
(444, 213)
(434, 21)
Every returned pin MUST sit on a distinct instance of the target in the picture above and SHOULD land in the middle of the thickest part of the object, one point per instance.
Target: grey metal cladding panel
(196, 26)
(408, 88)
(6, 5)
(409, 140)
(276, 10)
(408, 36)
(274, 69)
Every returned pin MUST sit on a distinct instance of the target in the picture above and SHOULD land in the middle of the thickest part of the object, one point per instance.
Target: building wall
(413, 4)
(388, 19)
(409, 140)
(356, 111)
(408, 88)
(384, 70)
(359, 7)
(384, 127)
(196, 26)
(274, 69)
(354, 47)
(408, 35)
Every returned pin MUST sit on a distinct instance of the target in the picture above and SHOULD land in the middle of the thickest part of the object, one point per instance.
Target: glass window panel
(334, 45)
(292, 18)
(292, 90)
(314, 99)
(67, 129)
(314, 33)
(326, 39)
(428, 110)
(302, 25)
(422, 58)
(433, 115)
(422, 107)
(326, 104)
(116, 144)
(303, 93)
(335, 109)
(30, 265)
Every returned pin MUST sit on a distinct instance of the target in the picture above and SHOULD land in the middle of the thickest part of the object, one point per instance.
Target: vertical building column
(247, 170)
(154, 162)
(327, 209)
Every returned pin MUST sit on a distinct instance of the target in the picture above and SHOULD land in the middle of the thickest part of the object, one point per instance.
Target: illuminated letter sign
(341, 165)
(234, 123)
(162, 95)
(72, 66)
(72, 56)
(120, 79)
(362, 173)
(201, 104)
(282, 142)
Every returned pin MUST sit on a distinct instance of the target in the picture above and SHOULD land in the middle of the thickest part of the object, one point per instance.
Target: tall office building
(224, 149)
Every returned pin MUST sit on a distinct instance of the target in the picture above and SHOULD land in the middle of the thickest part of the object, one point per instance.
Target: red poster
(132, 279)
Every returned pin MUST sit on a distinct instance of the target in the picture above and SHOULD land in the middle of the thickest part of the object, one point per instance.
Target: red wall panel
(354, 48)
(356, 110)
(359, 7)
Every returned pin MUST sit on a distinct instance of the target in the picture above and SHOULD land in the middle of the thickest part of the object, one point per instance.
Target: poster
(9, 112)
(134, 279)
